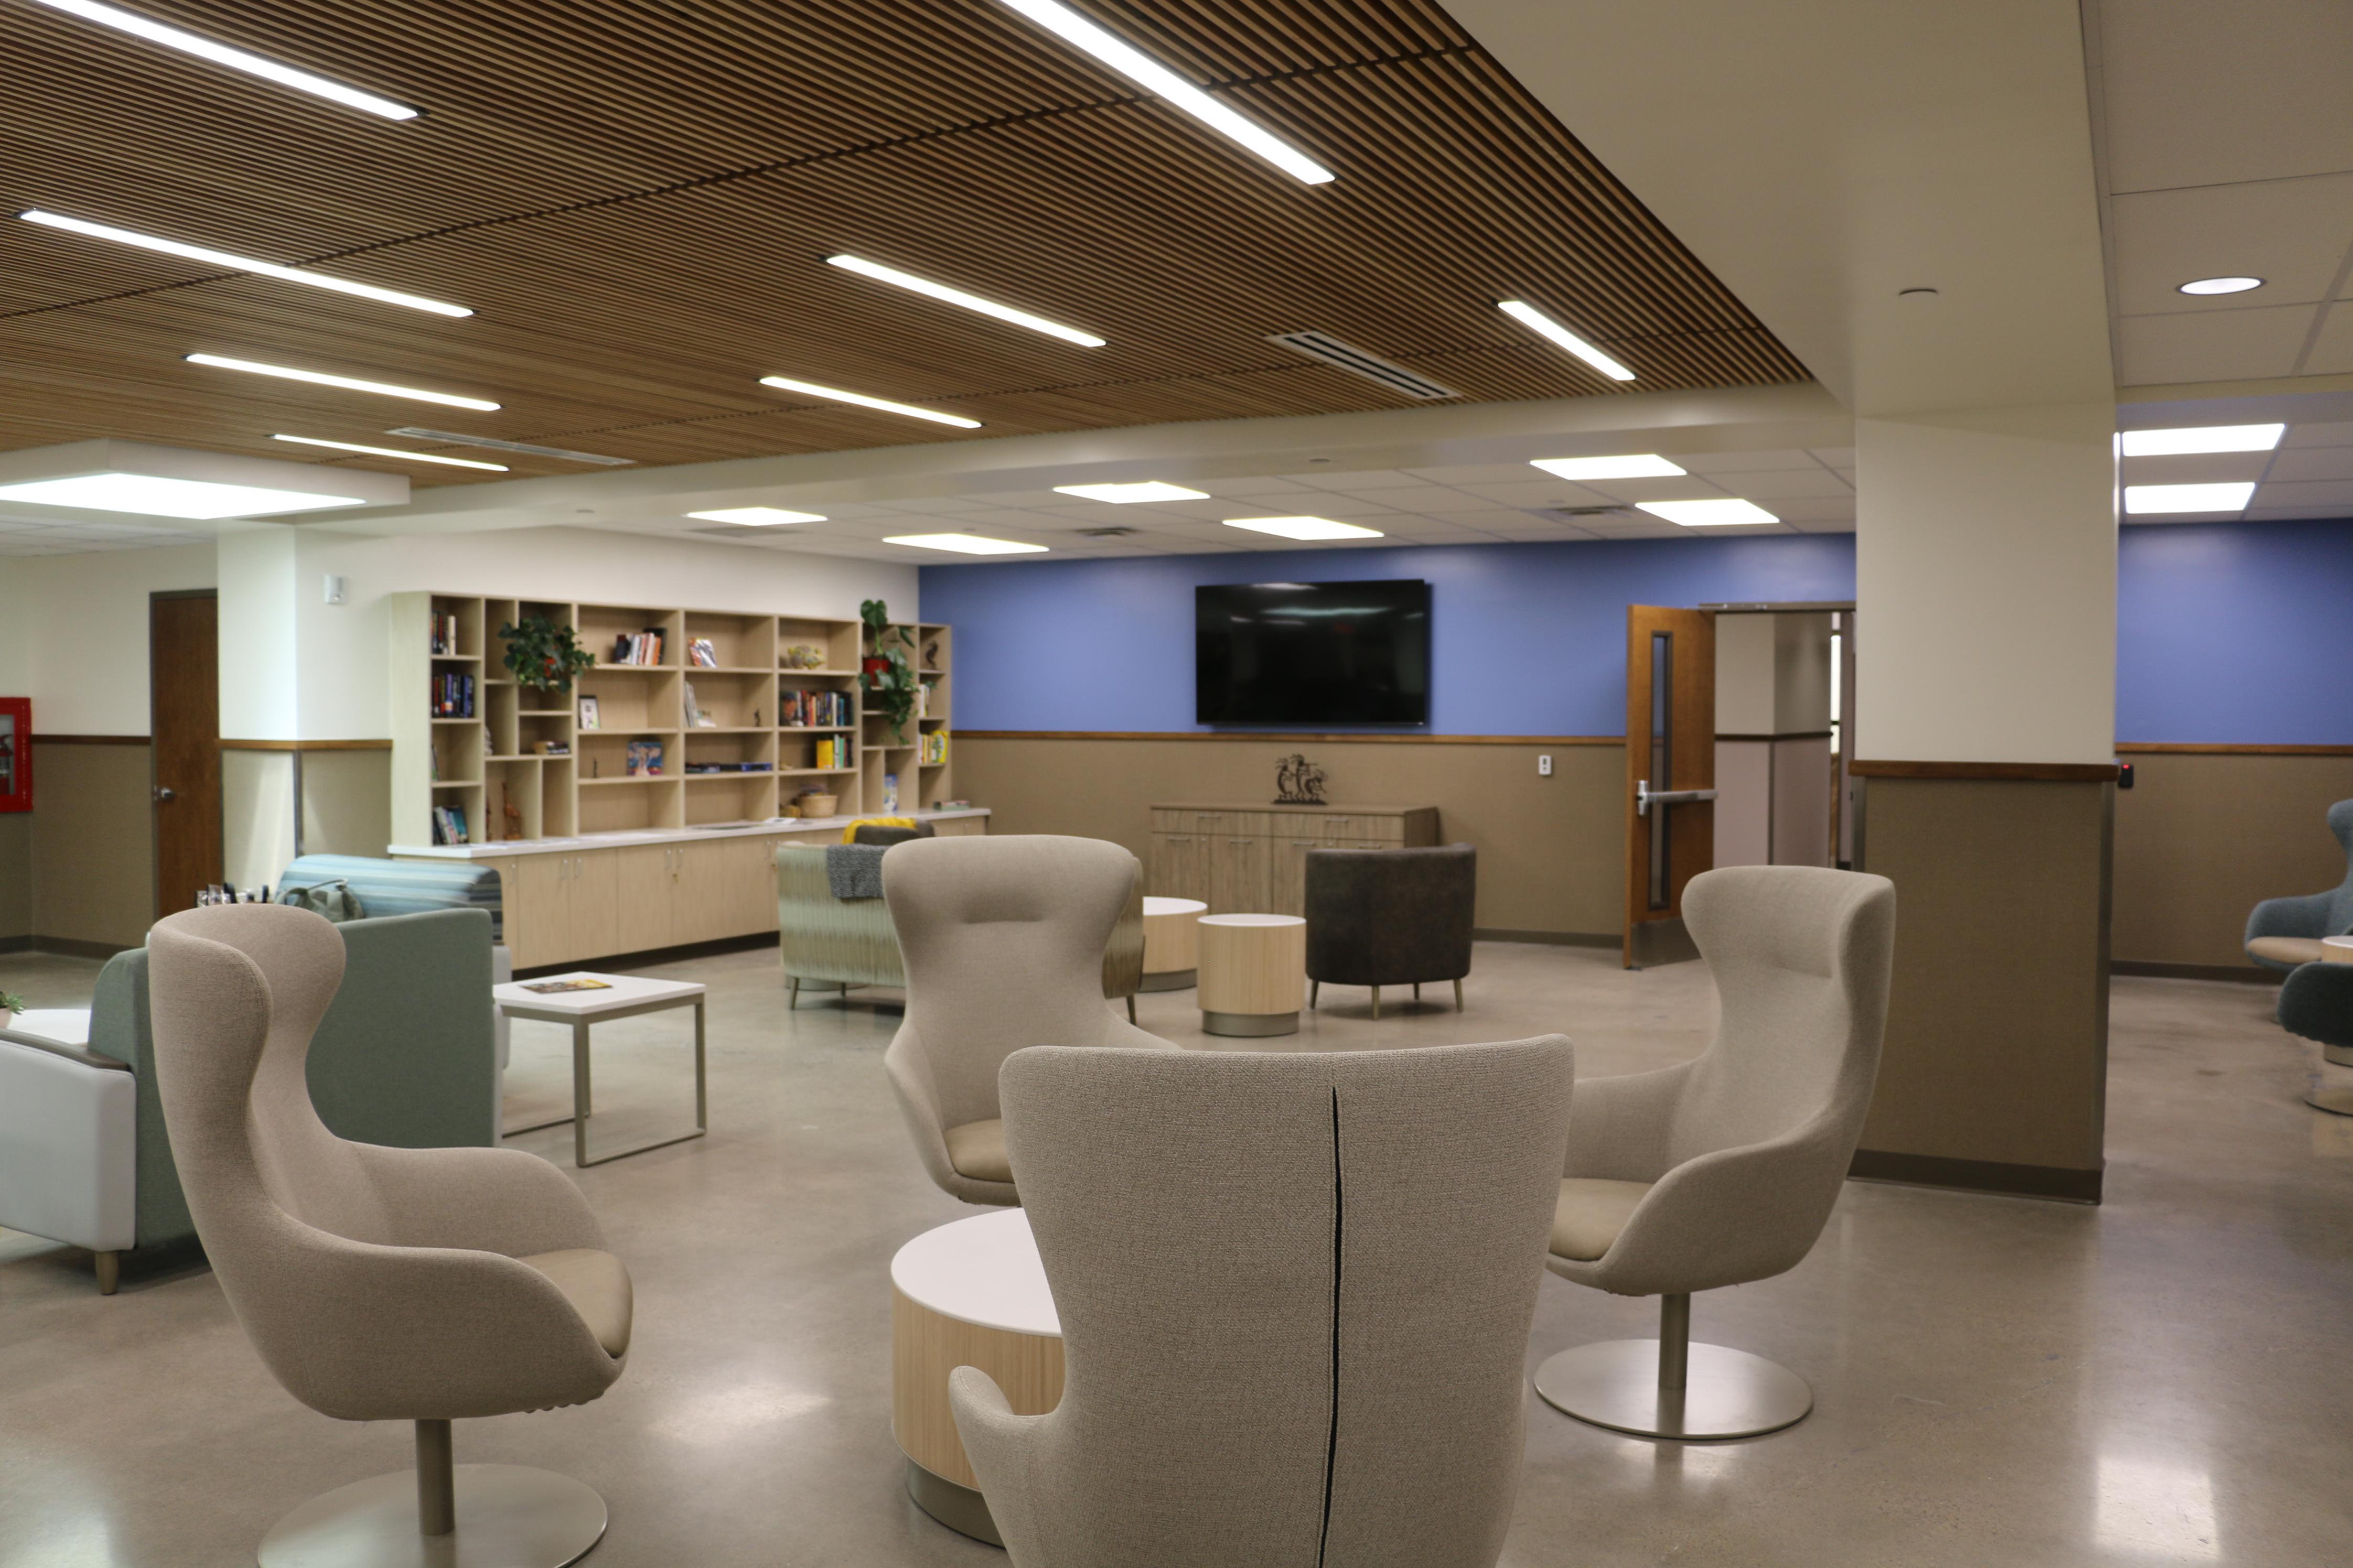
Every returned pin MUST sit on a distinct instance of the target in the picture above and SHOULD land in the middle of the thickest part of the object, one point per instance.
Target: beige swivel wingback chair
(1723, 1170)
(1003, 939)
(1294, 1292)
(378, 1284)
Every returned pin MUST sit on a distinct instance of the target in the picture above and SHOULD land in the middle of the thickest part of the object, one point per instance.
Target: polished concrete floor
(2164, 1379)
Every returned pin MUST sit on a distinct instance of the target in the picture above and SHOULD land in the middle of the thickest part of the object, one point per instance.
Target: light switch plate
(1544, 765)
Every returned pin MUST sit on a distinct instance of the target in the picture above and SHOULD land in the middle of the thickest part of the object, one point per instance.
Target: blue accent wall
(1527, 639)
(2235, 634)
(2227, 632)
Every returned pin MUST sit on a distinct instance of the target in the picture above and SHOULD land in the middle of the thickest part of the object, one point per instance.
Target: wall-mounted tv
(1312, 653)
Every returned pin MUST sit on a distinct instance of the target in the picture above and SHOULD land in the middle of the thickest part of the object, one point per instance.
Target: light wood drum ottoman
(1172, 943)
(969, 1293)
(1253, 974)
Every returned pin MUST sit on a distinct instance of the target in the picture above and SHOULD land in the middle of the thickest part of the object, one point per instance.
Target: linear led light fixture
(1543, 326)
(1129, 494)
(909, 281)
(2220, 285)
(394, 452)
(522, 448)
(234, 263)
(1721, 513)
(812, 389)
(139, 477)
(1632, 466)
(2202, 438)
(965, 543)
(349, 383)
(1303, 527)
(204, 48)
(2143, 500)
(758, 516)
(1160, 81)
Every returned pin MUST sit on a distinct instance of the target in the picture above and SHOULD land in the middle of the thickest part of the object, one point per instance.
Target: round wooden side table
(969, 1293)
(1172, 943)
(1253, 974)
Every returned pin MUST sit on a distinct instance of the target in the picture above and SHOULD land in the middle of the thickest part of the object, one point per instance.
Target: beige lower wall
(2202, 838)
(1552, 853)
(1997, 1025)
(93, 843)
(346, 802)
(15, 876)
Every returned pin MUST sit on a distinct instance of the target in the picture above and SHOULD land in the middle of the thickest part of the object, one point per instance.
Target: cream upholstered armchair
(1294, 1292)
(1723, 1170)
(377, 1284)
(1003, 939)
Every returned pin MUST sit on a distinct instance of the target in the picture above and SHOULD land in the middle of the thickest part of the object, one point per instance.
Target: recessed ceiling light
(394, 452)
(1159, 80)
(1303, 527)
(167, 498)
(348, 384)
(1632, 466)
(2220, 285)
(1129, 494)
(1527, 315)
(2202, 438)
(155, 32)
(812, 389)
(965, 543)
(2144, 499)
(174, 481)
(908, 280)
(1725, 512)
(242, 263)
(758, 516)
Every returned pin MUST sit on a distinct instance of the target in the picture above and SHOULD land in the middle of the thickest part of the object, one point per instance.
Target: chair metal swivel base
(497, 1516)
(1669, 1388)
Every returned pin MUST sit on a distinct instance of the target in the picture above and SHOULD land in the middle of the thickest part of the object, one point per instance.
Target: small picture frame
(589, 717)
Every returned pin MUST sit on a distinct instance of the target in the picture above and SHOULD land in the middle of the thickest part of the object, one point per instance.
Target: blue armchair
(2282, 934)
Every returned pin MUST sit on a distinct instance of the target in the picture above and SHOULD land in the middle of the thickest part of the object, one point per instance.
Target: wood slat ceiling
(636, 198)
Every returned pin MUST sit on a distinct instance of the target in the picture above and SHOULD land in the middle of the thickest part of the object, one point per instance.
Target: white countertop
(983, 1270)
(500, 849)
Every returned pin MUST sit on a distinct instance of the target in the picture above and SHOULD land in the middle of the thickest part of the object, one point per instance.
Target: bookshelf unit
(478, 752)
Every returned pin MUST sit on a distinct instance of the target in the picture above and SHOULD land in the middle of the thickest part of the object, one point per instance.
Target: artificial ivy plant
(888, 673)
(544, 654)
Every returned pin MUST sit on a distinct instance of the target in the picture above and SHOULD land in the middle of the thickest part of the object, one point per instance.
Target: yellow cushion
(850, 834)
(598, 1286)
(977, 1149)
(1590, 1214)
(2286, 949)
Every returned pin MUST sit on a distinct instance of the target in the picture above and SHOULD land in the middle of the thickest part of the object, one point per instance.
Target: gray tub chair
(1723, 1170)
(1294, 1293)
(2285, 933)
(1003, 938)
(1390, 917)
(377, 1284)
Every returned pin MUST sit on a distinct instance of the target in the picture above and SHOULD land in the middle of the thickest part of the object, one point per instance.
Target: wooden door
(1670, 752)
(184, 698)
(1238, 881)
(540, 931)
(648, 892)
(592, 893)
(1180, 867)
(1287, 864)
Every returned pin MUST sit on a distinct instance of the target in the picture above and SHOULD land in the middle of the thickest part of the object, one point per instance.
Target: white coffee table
(1253, 974)
(622, 996)
(1172, 943)
(970, 1293)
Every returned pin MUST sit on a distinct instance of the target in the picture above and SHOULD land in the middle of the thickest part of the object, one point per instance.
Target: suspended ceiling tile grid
(636, 201)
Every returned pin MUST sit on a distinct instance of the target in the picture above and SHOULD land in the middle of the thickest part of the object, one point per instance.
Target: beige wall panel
(1996, 1029)
(257, 816)
(1551, 850)
(346, 802)
(2202, 839)
(93, 844)
(16, 875)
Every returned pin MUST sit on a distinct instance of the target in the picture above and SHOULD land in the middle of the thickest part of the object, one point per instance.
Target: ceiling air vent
(1111, 533)
(525, 447)
(1328, 350)
(1584, 514)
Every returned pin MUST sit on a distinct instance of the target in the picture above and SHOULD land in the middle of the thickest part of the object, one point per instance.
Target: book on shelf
(700, 654)
(643, 647)
(644, 759)
(444, 635)
(934, 748)
(448, 825)
(453, 696)
(803, 708)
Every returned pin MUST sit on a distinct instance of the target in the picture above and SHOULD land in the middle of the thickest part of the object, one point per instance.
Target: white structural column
(1986, 586)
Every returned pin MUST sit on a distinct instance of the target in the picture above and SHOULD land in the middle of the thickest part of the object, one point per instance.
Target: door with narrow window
(1670, 773)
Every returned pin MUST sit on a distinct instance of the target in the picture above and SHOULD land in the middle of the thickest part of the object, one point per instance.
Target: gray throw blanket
(855, 871)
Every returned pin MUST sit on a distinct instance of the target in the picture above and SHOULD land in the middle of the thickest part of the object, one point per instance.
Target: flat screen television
(1312, 653)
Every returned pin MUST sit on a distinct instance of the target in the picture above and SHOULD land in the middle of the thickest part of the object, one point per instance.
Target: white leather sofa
(69, 1146)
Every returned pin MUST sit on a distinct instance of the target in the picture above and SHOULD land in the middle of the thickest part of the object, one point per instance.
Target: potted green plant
(888, 672)
(543, 654)
(10, 1005)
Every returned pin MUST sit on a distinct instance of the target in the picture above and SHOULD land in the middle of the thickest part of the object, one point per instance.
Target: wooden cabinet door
(592, 892)
(646, 893)
(1179, 867)
(540, 931)
(1287, 866)
(1237, 879)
